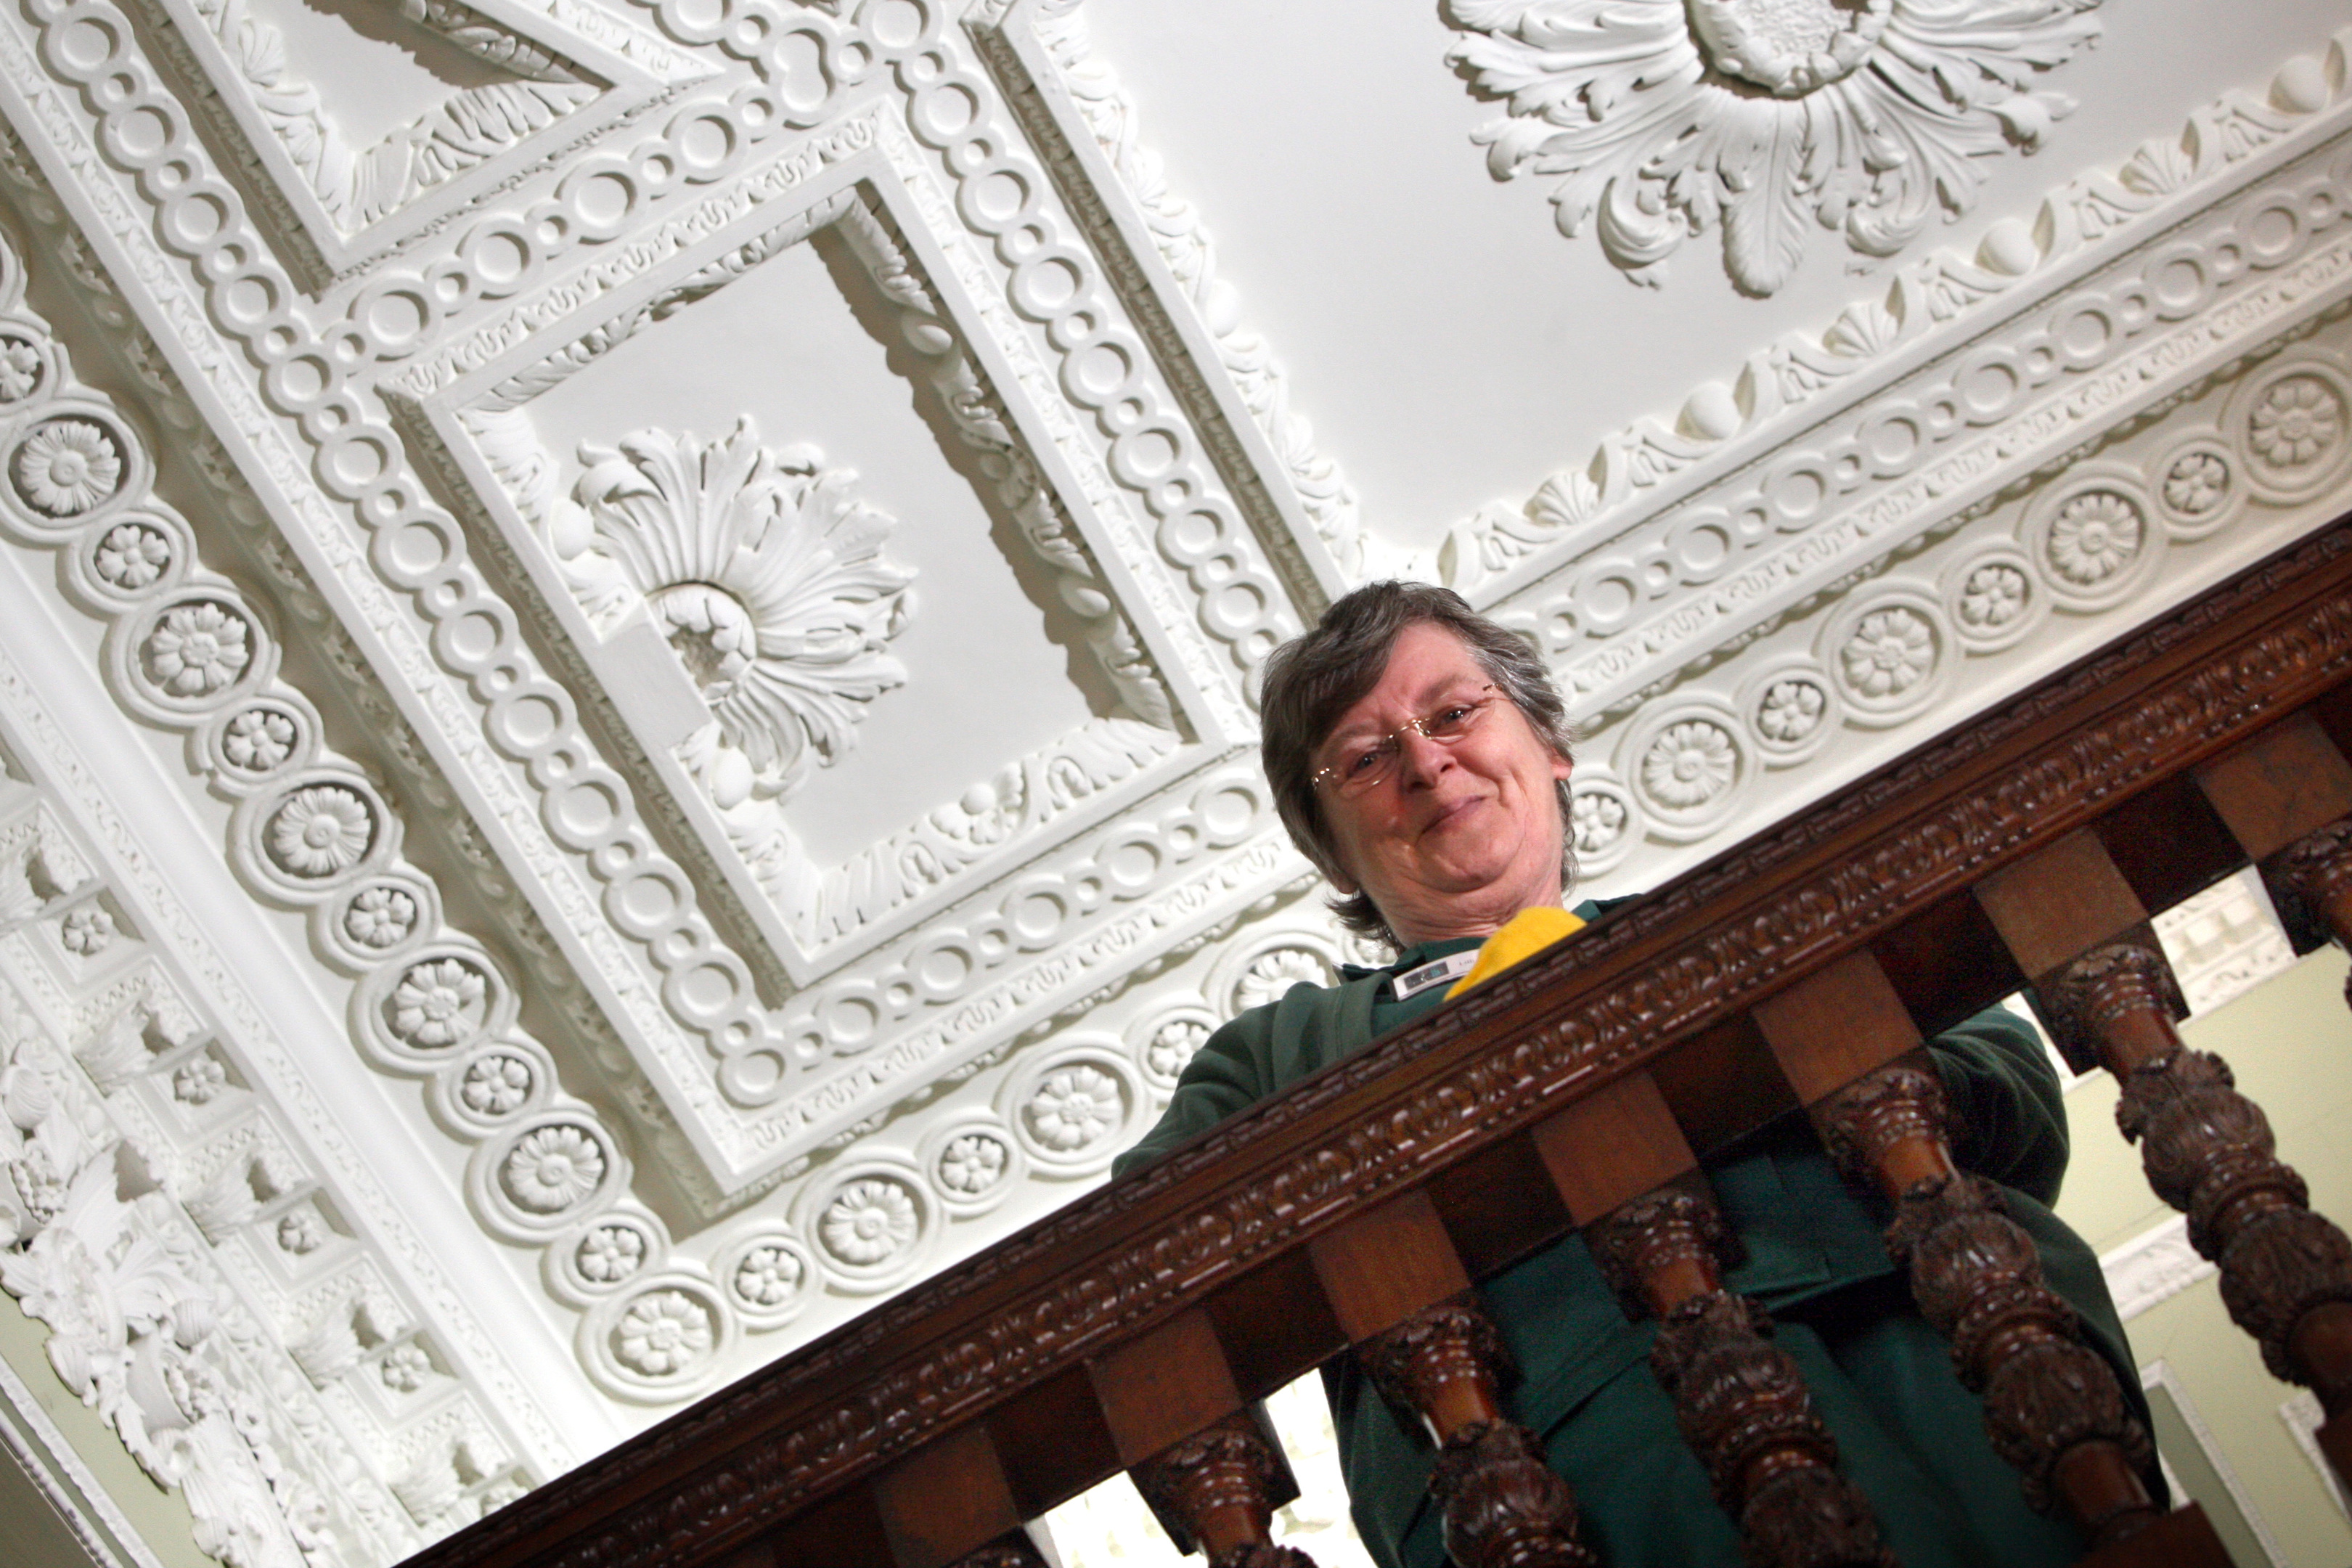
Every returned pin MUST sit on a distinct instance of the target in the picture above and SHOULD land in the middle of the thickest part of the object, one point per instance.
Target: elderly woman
(1420, 757)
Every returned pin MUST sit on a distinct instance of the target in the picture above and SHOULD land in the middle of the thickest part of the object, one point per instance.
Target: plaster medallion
(197, 648)
(763, 572)
(2094, 536)
(321, 831)
(1888, 653)
(439, 1003)
(404, 1368)
(663, 1333)
(1992, 596)
(2196, 484)
(87, 932)
(67, 468)
(1599, 821)
(380, 917)
(869, 1222)
(1075, 1107)
(1170, 1048)
(767, 1278)
(1269, 977)
(22, 369)
(2298, 420)
(496, 1084)
(131, 557)
(1791, 710)
(972, 1163)
(258, 739)
(199, 1080)
(300, 1232)
(1765, 117)
(610, 1254)
(1690, 765)
(553, 1168)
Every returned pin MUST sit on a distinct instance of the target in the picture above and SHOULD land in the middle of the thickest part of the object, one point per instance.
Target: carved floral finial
(1766, 116)
(765, 570)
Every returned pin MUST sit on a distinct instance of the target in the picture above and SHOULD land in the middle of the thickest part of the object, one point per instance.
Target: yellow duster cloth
(1524, 935)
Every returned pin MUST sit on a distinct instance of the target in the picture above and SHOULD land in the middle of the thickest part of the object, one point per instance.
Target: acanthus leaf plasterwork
(1764, 118)
(336, 204)
(1634, 478)
(1210, 548)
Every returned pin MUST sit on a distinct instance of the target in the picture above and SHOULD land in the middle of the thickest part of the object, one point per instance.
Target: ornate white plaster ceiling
(630, 625)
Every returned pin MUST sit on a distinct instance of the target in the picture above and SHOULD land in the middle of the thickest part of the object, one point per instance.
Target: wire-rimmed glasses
(1366, 764)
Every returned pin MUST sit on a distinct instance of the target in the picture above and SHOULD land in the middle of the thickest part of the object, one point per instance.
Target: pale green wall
(2290, 1043)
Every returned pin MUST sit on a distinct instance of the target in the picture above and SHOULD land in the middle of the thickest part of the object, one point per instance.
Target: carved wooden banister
(2053, 1408)
(2103, 982)
(1627, 1175)
(1405, 1303)
(1030, 1362)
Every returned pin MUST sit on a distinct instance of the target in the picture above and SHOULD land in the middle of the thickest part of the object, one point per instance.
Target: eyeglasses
(1367, 764)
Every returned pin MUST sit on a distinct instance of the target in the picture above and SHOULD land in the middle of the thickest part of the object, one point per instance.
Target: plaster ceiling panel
(1448, 343)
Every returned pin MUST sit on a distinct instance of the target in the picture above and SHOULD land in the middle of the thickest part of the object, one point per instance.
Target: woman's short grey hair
(1312, 681)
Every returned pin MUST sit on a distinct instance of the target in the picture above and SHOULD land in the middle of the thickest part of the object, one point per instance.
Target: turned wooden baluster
(1738, 1398)
(1399, 1290)
(2110, 999)
(2287, 1272)
(2053, 1408)
(1018, 1550)
(2286, 797)
(1216, 1493)
(1624, 1168)
(1211, 1469)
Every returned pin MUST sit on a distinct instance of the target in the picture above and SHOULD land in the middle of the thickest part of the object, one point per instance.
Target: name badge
(1437, 972)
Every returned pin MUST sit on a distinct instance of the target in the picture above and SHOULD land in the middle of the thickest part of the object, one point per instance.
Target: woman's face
(1458, 839)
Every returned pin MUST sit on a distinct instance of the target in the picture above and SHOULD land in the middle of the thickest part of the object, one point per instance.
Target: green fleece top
(1909, 1433)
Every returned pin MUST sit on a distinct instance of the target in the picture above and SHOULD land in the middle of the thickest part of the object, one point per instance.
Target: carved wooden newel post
(1739, 1400)
(1399, 1292)
(1207, 1465)
(2053, 1408)
(2287, 1272)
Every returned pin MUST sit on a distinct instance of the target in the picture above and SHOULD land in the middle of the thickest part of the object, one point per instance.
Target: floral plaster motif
(68, 467)
(1791, 710)
(198, 648)
(1598, 819)
(20, 370)
(764, 570)
(258, 739)
(610, 1254)
(1074, 1108)
(2196, 484)
(380, 917)
(132, 555)
(1767, 117)
(1993, 597)
(869, 1221)
(199, 1080)
(1271, 974)
(2299, 420)
(1173, 1047)
(321, 831)
(300, 1232)
(768, 1276)
(87, 932)
(553, 1168)
(439, 1003)
(972, 1163)
(662, 1333)
(496, 1086)
(1889, 653)
(1689, 765)
(2096, 535)
(404, 1368)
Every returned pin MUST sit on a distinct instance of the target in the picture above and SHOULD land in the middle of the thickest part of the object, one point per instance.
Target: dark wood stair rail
(1358, 1212)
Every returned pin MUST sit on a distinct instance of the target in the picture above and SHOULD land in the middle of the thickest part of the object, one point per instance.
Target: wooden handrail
(996, 1368)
